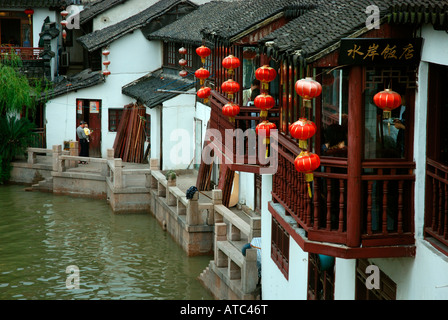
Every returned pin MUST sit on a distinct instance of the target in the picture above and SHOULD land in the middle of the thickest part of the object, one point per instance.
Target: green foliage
(16, 134)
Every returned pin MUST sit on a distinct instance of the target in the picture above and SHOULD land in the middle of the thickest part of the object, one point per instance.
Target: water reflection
(118, 256)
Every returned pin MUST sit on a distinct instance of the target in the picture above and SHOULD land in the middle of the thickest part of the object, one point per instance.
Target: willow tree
(17, 97)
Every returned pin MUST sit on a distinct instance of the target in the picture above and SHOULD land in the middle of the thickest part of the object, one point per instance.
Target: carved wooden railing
(436, 208)
(387, 199)
(248, 118)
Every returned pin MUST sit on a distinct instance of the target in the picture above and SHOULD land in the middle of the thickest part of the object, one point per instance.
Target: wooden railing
(436, 208)
(387, 199)
(25, 53)
(247, 119)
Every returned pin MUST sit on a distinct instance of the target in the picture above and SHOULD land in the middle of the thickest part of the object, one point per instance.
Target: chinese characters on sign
(379, 51)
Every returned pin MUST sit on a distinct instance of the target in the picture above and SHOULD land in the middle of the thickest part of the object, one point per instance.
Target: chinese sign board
(368, 51)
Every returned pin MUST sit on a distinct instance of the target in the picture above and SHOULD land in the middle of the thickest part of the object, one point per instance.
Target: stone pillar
(154, 164)
(233, 270)
(31, 157)
(171, 199)
(193, 210)
(217, 200)
(235, 233)
(118, 173)
(220, 235)
(249, 272)
(74, 151)
(57, 151)
(110, 154)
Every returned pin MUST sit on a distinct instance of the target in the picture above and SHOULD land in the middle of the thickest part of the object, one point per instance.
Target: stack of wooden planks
(130, 140)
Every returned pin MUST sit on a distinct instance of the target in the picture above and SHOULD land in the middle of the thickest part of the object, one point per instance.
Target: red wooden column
(355, 150)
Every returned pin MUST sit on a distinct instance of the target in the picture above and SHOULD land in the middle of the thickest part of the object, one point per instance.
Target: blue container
(326, 262)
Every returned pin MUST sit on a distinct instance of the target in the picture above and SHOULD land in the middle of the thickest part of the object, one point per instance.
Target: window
(280, 247)
(320, 279)
(334, 125)
(382, 137)
(387, 290)
(114, 119)
(172, 56)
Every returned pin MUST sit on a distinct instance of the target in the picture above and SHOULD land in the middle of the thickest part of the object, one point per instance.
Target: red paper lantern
(64, 23)
(203, 52)
(106, 62)
(183, 73)
(230, 110)
(302, 129)
(29, 13)
(182, 62)
(231, 62)
(204, 93)
(387, 100)
(307, 162)
(106, 72)
(64, 13)
(230, 87)
(264, 102)
(265, 74)
(267, 127)
(182, 50)
(202, 74)
(308, 89)
(106, 52)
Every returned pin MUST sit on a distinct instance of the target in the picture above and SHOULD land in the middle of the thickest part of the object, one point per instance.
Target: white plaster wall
(120, 12)
(247, 189)
(126, 66)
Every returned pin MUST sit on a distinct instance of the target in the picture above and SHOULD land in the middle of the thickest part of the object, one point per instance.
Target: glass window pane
(334, 113)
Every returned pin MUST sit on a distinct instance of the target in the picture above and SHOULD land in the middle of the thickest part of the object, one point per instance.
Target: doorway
(90, 111)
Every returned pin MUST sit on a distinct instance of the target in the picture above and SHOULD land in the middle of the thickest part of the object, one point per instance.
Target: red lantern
(264, 102)
(64, 13)
(203, 52)
(204, 93)
(267, 127)
(231, 62)
(265, 74)
(106, 72)
(387, 100)
(202, 74)
(106, 62)
(182, 62)
(231, 110)
(302, 129)
(106, 52)
(230, 87)
(64, 34)
(183, 73)
(307, 162)
(182, 50)
(64, 23)
(308, 89)
(29, 13)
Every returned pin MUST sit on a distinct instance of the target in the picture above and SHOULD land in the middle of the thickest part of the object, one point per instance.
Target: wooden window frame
(280, 247)
(114, 114)
(320, 282)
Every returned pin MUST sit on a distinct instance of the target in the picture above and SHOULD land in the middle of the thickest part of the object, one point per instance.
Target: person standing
(82, 141)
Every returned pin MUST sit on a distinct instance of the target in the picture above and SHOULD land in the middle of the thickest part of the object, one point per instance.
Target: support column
(57, 151)
(354, 158)
(193, 210)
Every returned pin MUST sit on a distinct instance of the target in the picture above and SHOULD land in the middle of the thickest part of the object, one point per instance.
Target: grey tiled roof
(145, 89)
(32, 3)
(187, 29)
(241, 15)
(83, 79)
(101, 38)
(96, 8)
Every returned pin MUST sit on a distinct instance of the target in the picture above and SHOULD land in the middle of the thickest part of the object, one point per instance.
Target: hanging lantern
(267, 126)
(265, 74)
(387, 100)
(64, 34)
(182, 50)
(231, 110)
(182, 62)
(302, 129)
(106, 72)
(64, 13)
(202, 74)
(106, 62)
(230, 87)
(264, 102)
(204, 93)
(307, 162)
(203, 52)
(230, 63)
(183, 73)
(64, 23)
(308, 89)
(29, 13)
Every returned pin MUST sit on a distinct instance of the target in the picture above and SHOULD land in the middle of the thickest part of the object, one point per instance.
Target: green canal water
(118, 256)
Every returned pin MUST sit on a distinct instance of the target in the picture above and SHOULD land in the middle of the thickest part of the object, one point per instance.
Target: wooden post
(355, 152)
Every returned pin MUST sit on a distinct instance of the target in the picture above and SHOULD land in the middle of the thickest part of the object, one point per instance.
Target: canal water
(113, 256)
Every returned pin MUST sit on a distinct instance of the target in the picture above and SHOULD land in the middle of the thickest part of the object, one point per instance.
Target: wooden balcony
(25, 53)
(436, 211)
(241, 155)
(383, 227)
